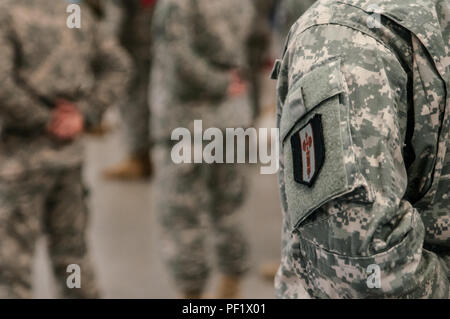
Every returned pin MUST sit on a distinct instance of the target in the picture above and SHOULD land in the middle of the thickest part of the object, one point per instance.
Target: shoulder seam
(347, 26)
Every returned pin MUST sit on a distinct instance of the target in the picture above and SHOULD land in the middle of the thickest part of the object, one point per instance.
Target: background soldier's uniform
(382, 195)
(41, 188)
(135, 37)
(196, 44)
(258, 48)
(288, 11)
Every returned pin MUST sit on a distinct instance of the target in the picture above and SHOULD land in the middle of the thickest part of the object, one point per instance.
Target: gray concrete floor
(124, 234)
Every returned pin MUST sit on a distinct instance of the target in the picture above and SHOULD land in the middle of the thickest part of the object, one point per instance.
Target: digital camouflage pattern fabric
(382, 195)
(135, 37)
(191, 200)
(41, 190)
(258, 49)
(43, 60)
(195, 49)
(197, 43)
(53, 203)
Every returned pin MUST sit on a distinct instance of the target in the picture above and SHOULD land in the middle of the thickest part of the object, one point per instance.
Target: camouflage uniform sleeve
(113, 69)
(189, 65)
(19, 108)
(354, 220)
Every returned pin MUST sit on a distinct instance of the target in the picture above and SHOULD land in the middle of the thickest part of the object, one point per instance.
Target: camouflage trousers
(136, 39)
(135, 114)
(46, 202)
(193, 201)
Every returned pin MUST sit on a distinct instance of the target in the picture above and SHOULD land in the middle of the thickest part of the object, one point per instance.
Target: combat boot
(99, 130)
(229, 287)
(136, 166)
(268, 271)
(190, 296)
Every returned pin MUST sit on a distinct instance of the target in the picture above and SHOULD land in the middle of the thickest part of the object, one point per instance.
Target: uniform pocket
(325, 167)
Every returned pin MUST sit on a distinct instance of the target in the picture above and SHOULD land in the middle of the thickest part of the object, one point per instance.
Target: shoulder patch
(308, 151)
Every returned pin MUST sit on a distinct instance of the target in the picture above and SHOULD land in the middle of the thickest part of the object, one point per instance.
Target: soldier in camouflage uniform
(364, 115)
(288, 11)
(53, 81)
(258, 49)
(135, 37)
(198, 47)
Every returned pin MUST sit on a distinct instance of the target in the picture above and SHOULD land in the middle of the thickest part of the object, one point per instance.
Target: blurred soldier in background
(54, 82)
(365, 160)
(258, 49)
(135, 37)
(287, 12)
(199, 48)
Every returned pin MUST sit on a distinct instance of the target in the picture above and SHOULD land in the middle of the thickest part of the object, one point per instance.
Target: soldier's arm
(189, 65)
(113, 70)
(18, 107)
(354, 220)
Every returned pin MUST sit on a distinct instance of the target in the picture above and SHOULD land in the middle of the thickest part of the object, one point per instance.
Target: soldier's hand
(238, 86)
(66, 122)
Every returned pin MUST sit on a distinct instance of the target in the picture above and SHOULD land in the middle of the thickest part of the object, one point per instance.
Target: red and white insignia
(308, 150)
